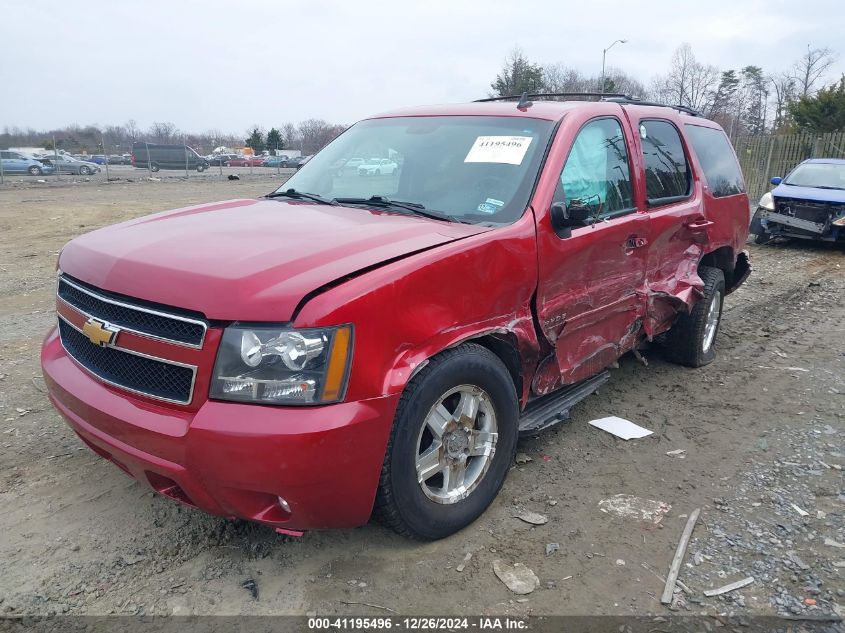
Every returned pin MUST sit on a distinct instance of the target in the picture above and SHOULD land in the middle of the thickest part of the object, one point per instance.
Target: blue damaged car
(809, 203)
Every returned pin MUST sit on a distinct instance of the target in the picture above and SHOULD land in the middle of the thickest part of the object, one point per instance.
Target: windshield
(476, 169)
(825, 175)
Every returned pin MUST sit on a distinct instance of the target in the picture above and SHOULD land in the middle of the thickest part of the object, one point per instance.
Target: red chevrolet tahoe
(351, 344)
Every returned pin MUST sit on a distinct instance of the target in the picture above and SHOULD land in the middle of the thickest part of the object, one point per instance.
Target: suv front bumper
(231, 459)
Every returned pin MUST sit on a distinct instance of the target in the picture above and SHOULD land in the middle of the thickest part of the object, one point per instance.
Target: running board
(554, 408)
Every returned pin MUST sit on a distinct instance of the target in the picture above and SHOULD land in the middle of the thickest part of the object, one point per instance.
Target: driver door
(590, 298)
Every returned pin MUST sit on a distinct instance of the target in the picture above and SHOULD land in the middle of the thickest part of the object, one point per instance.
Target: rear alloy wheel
(691, 341)
(453, 440)
(200, 168)
(34, 171)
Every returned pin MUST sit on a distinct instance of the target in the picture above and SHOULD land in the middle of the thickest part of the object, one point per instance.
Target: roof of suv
(547, 110)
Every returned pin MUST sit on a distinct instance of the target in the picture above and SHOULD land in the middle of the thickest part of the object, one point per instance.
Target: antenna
(524, 102)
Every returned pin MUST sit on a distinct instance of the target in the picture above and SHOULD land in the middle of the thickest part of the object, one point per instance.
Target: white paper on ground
(620, 428)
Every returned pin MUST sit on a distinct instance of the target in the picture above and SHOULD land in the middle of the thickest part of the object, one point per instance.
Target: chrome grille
(140, 319)
(154, 377)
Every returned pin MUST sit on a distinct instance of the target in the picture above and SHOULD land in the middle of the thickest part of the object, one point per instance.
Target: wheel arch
(504, 345)
(735, 267)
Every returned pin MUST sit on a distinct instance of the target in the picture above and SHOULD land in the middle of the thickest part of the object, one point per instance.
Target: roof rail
(612, 97)
(541, 95)
(627, 100)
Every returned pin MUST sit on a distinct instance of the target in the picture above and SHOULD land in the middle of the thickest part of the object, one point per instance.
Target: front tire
(452, 443)
(34, 171)
(154, 167)
(691, 341)
(85, 170)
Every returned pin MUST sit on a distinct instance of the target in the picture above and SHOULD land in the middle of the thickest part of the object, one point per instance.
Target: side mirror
(776, 180)
(579, 212)
(560, 220)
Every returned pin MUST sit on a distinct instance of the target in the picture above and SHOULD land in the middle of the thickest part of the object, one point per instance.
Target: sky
(224, 65)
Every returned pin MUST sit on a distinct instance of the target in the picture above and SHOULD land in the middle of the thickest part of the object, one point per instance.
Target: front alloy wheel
(456, 444)
(452, 443)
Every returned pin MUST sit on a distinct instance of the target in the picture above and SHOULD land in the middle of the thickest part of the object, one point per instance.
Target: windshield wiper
(300, 195)
(414, 207)
(827, 187)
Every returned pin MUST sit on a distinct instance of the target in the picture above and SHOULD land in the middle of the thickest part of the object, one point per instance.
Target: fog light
(284, 505)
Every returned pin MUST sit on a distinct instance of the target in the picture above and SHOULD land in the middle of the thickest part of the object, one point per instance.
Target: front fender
(409, 310)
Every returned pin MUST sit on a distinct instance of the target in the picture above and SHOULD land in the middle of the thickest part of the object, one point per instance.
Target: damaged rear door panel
(679, 231)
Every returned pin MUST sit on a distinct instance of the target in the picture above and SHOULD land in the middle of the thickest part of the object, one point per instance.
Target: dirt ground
(762, 429)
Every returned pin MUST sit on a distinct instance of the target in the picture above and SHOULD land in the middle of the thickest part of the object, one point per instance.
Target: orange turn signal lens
(338, 364)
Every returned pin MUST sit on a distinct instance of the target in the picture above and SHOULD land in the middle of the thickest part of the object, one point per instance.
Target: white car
(377, 167)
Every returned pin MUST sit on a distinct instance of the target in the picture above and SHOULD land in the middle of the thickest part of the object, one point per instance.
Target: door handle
(699, 225)
(635, 242)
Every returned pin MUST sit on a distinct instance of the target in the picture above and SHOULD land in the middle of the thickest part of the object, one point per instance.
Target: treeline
(307, 136)
(746, 101)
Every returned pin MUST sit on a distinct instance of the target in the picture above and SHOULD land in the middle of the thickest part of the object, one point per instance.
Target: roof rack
(541, 95)
(625, 99)
(612, 97)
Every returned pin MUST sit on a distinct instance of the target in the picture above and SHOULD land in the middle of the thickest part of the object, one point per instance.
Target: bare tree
(314, 134)
(290, 137)
(561, 78)
(809, 69)
(783, 93)
(133, 132)
(689, 82)
(163, 132)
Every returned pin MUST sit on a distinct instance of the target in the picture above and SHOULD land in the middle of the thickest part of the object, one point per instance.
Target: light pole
(603, 56)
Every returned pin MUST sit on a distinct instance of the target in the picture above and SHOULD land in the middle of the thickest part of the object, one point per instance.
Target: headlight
(279, 365)
(767, 201)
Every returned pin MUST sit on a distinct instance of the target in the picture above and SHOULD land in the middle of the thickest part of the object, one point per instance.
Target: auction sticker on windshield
(498, 149)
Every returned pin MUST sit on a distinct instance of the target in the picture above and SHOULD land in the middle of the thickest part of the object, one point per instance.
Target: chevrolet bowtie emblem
(100, 333)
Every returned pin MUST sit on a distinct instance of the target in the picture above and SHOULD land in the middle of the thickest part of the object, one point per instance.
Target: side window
(667, 174)
(597, 173)
(717, 160)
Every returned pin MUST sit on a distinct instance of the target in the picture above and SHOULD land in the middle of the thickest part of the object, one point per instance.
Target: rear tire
(154, 167)
(468, 394)
(691, 340)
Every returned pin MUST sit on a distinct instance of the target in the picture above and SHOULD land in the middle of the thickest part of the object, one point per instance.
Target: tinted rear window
(717, 160)
(666, 171)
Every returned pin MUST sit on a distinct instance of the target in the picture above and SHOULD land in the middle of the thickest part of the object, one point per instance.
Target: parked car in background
(274, 161)
(159, 156)
(350, 346)
(303, 160)
(220, 159)
(17, 163)
(245, 161)
(99, 159)
(377, 167)
(809, 204)
(119, 159)
(66, 164)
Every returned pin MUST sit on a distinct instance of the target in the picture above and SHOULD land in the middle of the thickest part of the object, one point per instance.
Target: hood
(249, 260)
(809, 193)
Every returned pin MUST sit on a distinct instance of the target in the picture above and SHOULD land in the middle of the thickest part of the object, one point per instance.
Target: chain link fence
(762, 157)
